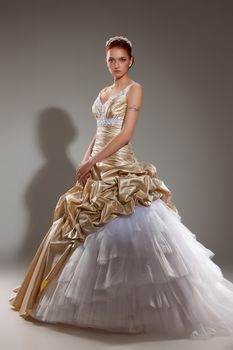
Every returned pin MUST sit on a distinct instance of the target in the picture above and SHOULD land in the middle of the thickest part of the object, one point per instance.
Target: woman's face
(118, 61)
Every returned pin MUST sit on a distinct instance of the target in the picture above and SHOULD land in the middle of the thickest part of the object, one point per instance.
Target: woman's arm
(89, 150)
(85, 159)
(135, 98)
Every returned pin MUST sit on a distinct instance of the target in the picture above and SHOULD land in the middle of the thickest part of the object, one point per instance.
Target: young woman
(117, 256)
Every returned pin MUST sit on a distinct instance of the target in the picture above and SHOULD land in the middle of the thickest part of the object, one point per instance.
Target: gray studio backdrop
(52, 68)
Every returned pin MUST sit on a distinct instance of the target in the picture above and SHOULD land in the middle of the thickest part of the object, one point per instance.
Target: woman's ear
(131, 61)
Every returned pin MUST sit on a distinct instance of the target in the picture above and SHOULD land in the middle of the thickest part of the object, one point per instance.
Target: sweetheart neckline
(111, 96)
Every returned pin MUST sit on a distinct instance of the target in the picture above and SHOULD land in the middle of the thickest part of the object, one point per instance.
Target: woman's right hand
(84, 179)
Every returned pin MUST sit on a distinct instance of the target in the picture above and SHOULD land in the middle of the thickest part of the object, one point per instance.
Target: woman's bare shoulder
(135, 87)
(104, 89)
(137, 84)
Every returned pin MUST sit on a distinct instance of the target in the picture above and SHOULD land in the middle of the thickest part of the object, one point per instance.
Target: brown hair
(120, 43)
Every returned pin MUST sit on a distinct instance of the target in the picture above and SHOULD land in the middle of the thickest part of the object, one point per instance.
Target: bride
(117, 256)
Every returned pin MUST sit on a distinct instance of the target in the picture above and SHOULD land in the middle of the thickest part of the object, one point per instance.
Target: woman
(117, 256)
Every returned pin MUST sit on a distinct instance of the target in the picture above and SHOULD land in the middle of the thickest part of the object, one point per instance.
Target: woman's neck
(121, 83)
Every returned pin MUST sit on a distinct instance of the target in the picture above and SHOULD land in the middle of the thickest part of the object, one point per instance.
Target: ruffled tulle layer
(140, 273)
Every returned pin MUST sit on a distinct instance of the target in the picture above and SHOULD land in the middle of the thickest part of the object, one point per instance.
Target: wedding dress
(117, 256)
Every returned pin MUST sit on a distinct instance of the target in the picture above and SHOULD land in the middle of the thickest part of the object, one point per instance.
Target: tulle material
(145, 272)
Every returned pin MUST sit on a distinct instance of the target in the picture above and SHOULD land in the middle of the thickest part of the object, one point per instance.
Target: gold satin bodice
(115, 186)
(110, 118)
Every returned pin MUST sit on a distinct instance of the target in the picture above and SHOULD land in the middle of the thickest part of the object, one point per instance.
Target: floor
(18, 333)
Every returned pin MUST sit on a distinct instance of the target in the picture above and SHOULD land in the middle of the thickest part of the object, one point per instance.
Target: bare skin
(116, 59)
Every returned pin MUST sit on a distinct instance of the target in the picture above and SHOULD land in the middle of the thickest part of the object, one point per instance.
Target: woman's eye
(111, 60)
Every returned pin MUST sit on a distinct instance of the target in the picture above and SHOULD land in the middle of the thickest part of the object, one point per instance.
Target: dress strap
(126, 89)
(129, 85)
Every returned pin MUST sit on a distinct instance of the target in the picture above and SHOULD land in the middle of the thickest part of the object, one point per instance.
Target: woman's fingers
(82, 180)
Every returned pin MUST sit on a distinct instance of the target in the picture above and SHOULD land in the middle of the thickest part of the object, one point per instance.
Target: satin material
(117, 184)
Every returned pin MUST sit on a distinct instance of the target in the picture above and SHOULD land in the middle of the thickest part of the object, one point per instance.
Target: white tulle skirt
(141, 273)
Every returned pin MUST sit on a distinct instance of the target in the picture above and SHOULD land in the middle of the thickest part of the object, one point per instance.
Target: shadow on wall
(56, 176)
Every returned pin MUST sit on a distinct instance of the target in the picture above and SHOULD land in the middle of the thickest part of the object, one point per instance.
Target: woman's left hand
(82, 170)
